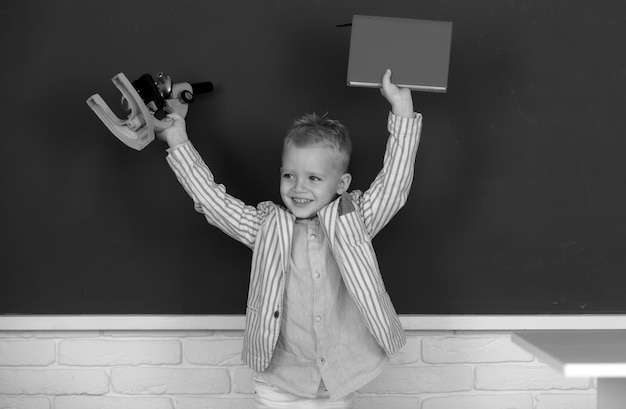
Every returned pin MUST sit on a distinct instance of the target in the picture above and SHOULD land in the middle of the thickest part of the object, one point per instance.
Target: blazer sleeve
(390, 189)
(229, 214)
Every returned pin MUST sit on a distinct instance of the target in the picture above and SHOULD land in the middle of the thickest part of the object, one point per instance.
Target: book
(416, 51)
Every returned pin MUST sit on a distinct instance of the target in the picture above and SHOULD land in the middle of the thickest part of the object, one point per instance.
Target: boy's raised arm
(229, 214)
(390, 189)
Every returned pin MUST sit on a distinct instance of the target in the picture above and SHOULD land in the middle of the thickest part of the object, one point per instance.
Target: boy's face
(311, 177)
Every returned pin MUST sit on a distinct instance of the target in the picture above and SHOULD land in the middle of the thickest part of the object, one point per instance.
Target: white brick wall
(202, 369)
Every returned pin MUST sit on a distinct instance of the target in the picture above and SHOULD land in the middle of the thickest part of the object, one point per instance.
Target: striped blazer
(349, 222)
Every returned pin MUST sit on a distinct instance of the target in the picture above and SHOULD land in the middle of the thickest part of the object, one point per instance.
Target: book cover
(417, 51)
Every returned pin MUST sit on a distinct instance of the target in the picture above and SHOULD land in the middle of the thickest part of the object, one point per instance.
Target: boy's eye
(314, 178)
(287, 176)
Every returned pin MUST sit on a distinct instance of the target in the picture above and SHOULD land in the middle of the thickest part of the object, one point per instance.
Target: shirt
(324, 348)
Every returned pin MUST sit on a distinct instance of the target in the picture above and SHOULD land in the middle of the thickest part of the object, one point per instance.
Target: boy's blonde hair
(312, 129)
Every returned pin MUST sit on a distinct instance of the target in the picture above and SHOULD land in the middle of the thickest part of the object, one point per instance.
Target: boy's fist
(399, 98)
(175, 133)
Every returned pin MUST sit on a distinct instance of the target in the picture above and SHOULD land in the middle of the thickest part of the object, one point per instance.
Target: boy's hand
(175, 133)
(399, 98)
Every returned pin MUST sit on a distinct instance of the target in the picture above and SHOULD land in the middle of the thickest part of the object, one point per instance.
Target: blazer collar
(329, 214)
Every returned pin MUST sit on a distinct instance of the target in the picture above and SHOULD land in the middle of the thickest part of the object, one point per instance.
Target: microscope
(147, 101)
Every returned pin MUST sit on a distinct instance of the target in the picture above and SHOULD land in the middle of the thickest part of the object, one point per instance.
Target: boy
(319, 323)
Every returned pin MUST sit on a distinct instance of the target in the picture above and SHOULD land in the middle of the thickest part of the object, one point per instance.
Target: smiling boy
(319, 321)
(316, 153)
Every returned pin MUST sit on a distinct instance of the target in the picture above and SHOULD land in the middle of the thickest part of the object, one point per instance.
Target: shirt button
(318, 319)
(316, 275)
(276, 314)
(322, 361)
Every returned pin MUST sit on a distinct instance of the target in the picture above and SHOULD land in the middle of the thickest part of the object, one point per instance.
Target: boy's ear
(344, 183)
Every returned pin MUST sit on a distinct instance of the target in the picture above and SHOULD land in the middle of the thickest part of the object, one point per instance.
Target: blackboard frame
(237, 322)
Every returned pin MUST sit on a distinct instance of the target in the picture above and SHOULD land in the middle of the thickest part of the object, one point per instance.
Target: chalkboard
(519, 194)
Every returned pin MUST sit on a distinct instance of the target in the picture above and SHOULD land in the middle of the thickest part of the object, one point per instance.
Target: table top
(599, 354)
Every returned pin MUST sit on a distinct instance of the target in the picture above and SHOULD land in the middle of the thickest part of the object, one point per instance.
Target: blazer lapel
(285, 232)
(331, 213)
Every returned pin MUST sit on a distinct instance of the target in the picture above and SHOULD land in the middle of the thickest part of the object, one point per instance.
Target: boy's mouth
(300, 201)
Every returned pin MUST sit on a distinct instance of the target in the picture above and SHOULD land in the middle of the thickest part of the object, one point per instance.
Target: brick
(472, 350)
(566, 401)
(50, 334)
(20, 402)
(214, 351)
(387, 402)
(27, 352)
(242, 380)
(215, 403)
(409, 354)
(511, 377)
(110, 402)
(414, 380)
(507, 401)
(98, 352)
(170, 380)
(53, 382)
(158, 333)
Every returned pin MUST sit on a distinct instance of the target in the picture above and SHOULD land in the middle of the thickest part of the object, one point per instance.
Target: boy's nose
(299, 186)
